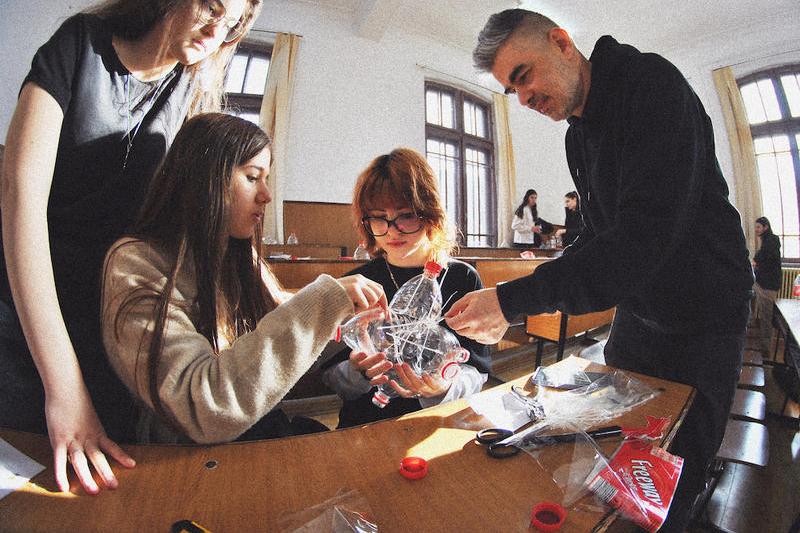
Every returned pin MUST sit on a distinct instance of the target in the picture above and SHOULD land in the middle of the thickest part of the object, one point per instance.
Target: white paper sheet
(16, 469)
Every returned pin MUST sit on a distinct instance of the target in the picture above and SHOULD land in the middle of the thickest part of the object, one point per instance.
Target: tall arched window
(772, 101)
(459, 147)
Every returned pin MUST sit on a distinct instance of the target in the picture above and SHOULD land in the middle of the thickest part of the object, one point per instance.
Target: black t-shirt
(455, 281)
(93, 199)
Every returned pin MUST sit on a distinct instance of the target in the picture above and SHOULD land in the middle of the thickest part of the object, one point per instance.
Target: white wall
(356, 98)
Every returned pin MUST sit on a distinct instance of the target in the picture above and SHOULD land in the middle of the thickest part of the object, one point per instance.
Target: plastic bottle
(428, 349)
(366, 332)
(796, 287)
(292, 239)
(361, 252)
(420, 298)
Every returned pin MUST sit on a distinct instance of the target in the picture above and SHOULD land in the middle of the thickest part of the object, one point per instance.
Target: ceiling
(648, 24)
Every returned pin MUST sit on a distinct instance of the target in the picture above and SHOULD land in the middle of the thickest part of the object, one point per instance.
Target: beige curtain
(745, 175)
(275, 121)
(506, 171)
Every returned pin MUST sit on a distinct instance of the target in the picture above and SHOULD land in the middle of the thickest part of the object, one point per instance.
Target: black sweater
(661, 238)
(456, 280)
(768, 262)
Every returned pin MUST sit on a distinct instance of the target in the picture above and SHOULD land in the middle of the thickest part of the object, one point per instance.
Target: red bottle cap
(338, 336)
(414, 467)
(548, 516)
(433, 267)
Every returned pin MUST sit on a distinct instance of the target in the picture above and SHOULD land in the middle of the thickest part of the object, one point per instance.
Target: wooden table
(558, 327)
(254, 484)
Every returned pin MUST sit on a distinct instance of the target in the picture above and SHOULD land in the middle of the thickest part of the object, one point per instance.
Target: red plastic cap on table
(548, 517)
(414, 467)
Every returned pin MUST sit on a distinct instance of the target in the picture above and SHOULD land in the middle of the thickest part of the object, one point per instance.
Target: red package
(640, 482)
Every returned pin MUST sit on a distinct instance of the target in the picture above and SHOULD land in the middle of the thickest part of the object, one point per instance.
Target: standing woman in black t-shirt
(103, 100)
(767, 268)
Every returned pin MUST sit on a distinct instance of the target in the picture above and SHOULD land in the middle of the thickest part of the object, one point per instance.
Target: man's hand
(478, 316)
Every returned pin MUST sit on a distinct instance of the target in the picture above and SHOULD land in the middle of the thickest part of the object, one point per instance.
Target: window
(772, 101)
(246, 79)
(460, 149)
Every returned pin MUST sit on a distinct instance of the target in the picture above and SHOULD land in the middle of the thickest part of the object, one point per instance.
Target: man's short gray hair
(499, 28)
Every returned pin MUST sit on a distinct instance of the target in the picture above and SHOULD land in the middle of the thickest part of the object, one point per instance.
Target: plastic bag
(604, 399)
(347, 512)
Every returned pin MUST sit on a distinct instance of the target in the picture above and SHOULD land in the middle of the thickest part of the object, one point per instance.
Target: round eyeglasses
(212, 12)
(406, 223)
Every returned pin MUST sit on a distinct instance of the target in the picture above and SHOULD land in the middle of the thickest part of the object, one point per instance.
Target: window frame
(464, 141)
(247, 102)
(788, 126)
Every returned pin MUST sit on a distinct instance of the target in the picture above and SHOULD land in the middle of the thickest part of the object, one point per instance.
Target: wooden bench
(558, 327)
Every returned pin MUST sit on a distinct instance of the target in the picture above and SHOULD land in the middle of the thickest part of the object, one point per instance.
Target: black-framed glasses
(212, 12)
(406, 223)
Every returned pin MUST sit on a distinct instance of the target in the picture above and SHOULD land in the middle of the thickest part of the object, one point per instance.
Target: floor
(746, 500)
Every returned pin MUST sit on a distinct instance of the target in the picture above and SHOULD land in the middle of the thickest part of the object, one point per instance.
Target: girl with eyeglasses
(193, 320)
(400, 217)
(103, 100)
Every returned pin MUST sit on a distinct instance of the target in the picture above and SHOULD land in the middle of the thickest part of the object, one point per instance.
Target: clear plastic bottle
(796, 287)
(361, 252)
(428, 349)
(292, 239)
(420, 298)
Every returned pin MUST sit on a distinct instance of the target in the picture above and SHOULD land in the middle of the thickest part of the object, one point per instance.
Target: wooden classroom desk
(558, 327)
(296, 274)
(255, 483)
(787, 319)
(496, 270)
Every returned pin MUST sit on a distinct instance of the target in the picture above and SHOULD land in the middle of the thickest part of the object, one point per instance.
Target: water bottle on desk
(796, 287)
(291, 239)
(361, 253)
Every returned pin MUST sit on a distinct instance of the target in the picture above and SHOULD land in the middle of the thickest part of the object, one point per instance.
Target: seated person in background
(193, 320)
(767, 268)
(573, 220)
(401, 219)
(528, 227)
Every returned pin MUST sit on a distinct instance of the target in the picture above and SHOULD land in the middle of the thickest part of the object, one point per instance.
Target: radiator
(787, 280)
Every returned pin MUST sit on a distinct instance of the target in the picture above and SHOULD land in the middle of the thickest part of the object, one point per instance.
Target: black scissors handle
(492, 437)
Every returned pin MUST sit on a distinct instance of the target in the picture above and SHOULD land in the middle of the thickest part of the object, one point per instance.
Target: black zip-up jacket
(768, 262)
(661, 238)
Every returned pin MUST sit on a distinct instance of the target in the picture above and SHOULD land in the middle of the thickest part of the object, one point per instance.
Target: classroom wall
(356, 98)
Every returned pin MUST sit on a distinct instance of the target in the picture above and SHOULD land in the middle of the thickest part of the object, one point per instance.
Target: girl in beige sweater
(193, 320)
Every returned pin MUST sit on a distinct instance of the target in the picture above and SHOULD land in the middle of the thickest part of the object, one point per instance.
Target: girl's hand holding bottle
(364, 293)
(372, 367)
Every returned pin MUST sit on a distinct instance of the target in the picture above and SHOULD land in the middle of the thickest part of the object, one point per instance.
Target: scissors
(491, 437)
(495, 447)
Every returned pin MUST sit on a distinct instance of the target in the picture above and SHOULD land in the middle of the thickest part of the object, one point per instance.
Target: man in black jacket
(662, 242)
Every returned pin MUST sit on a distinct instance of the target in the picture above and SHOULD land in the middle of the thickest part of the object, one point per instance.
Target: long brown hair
(185, 215)
(132, 19)
(405, 178)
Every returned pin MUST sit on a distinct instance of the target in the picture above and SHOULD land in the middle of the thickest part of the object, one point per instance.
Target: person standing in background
(103, 100)
(573, 220)
(767, 268)
(528, 227)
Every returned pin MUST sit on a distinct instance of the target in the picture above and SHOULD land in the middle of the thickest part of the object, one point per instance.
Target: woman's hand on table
(78, 438)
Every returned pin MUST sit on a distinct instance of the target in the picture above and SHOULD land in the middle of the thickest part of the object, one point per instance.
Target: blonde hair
(404, 178)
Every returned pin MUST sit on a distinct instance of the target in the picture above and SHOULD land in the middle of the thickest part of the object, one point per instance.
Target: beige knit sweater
(211, 398)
